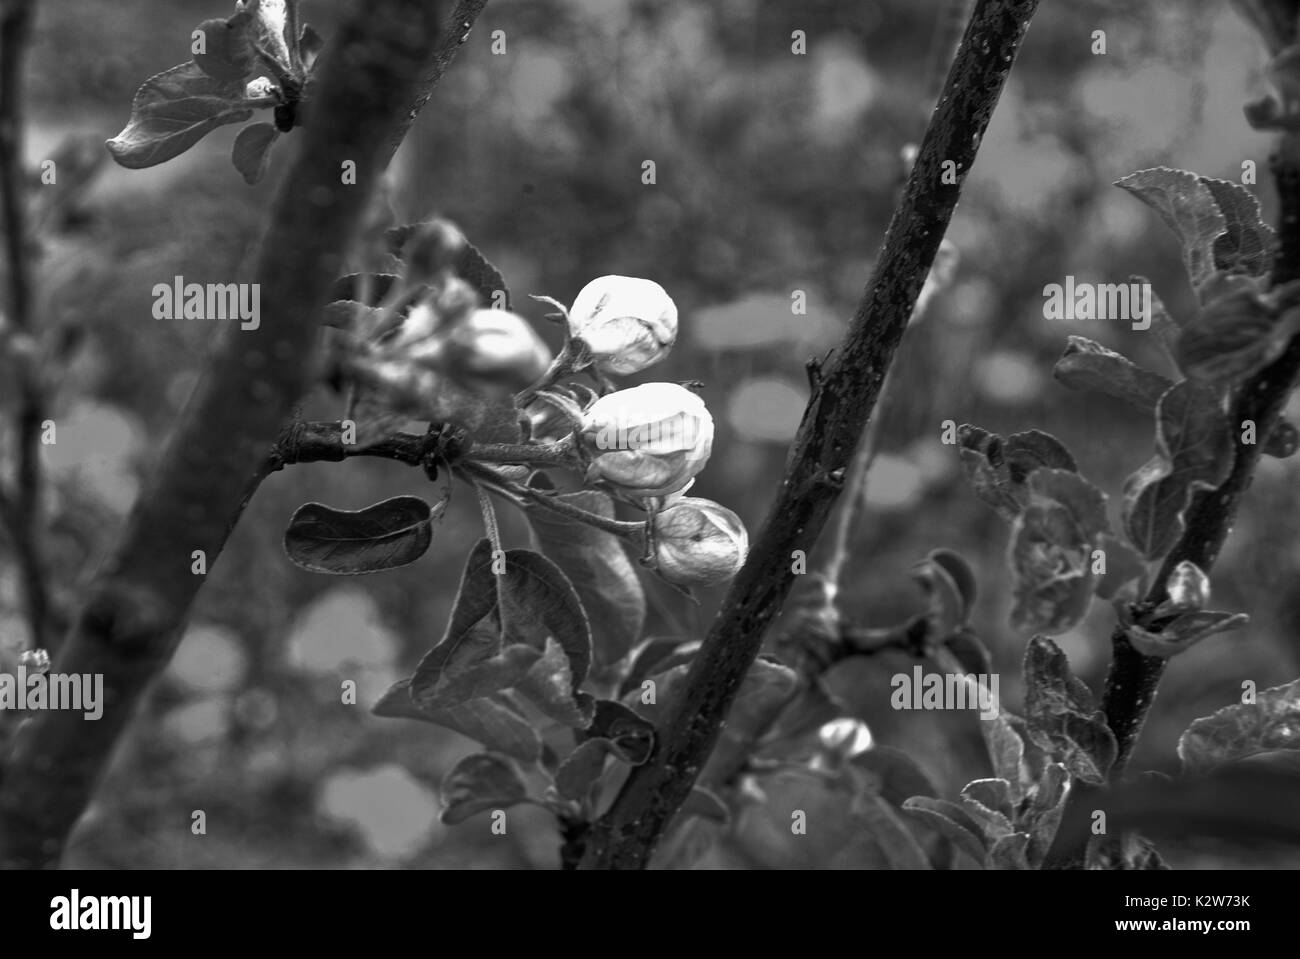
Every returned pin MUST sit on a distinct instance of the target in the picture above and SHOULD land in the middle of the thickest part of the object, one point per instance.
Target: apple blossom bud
(845, 738)
(431, 248)
(626, 323)
(699, 543)
(36, 660)
(260, 88)
(497, 347)
(419, 324)
(647, 441)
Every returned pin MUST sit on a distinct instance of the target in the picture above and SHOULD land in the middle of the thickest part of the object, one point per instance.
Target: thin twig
(23, 520)
(843, 399)
(489, 517)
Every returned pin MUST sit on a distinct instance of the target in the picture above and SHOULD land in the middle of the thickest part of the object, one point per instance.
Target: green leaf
(495, 721)
(998, 468)
(1123, 565)
(1006, 753)
(228, 57)
(1010, 852)
(1194, 451)
(173, 111)
(1051, 551)
(655, 655)
(765, 691)
(522, 629)
(893, 774)
(476, 599)
(1051, 571)
(252, 150)
(948, 606)
(478, 666)
(1188, 208)
(310, 44)
(1233, 337)
(599, 569)
(1166, 328)
(549, 685)
(581, 768)
(970, 652)
(1194, 626)
(1182, 633)
(994, 796)
(1087, 365)
(1234, 732)
(387, 535)
(1043, 817)
(891, 834)
(951, 822)
(479, 783)
(1062, 717)
(471, 266)
(367, 288)
(631, 737)
(273, 25)
(992, 823)
(537, 600)
(1191, 432)
(1247, 244)
(1084, 502)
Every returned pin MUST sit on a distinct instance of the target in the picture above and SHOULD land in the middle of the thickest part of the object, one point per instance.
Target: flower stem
(625, 530)
(542, 454)
(560, 367)
(489, 518)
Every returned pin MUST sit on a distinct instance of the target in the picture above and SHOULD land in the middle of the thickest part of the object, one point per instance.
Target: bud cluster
(422, 345)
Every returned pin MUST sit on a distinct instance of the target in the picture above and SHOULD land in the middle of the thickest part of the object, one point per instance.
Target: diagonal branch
(843, 398)
(372, 85)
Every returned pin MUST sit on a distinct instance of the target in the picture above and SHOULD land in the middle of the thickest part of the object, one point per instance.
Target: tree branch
(1132, 679)
(843, 398)
(373, 83)
(21, 514)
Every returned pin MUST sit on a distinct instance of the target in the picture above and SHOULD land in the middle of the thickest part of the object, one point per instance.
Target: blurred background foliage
(775, 172)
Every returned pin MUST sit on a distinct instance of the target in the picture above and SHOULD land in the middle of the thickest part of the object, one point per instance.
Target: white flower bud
(647, 441)
(261, 88)
(626, 323)
(431, 248)
(37, 660)
(498, 347)
(420, 324)
(699, 542)
(845, 737)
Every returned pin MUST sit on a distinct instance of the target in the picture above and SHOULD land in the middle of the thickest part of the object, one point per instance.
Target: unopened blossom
(647, 441)
(627, 323)
(698, 542)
